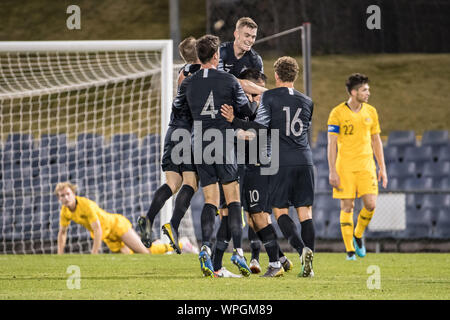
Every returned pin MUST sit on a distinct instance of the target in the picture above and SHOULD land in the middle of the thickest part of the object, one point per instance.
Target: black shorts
(241, 173)
(166, 161)
(213, 173)
(255, 191)
(292, 186)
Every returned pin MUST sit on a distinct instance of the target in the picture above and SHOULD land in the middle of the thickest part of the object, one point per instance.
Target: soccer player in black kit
(238, 55)
(290, 112)
(181, 178)
(202, 94)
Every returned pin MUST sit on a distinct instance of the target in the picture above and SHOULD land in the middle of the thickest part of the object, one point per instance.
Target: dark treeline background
(339, 26)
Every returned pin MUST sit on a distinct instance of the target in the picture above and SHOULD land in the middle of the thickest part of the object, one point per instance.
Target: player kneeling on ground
(114, 229)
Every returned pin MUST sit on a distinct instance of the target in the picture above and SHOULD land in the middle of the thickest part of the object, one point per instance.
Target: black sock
(182, 203)
(269, 240)
(235, 223)
(358, 241)
(222, 239)
(159, 199)
(289, 230)
(207, 223)
(255, 243)
(308, 233)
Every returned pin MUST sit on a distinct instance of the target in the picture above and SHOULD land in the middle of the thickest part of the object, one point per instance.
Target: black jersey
(189, 68)
(229, 63)
(203, 93)
(289, 111)
(179, 117)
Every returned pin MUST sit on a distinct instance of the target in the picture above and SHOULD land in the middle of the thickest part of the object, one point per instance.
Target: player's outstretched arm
(228, 113)
(62, 236)
(251, 87)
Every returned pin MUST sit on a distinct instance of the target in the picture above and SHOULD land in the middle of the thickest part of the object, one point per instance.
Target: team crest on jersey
(367, 120)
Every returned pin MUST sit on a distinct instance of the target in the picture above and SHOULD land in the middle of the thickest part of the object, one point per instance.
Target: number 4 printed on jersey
(208, 109)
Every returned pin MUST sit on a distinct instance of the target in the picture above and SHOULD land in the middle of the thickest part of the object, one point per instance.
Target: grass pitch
(178, 277)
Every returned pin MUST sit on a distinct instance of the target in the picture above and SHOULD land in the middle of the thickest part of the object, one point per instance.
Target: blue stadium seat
(418, 224)
(445, 183)
(320, 218)
(401, 170)
(395, 184)
(442, 230)
(391, 154)
(435, 137)
(89, 141)
(149, 149)
(333, 227)
(322, 139)
(322, 170)
(436, 201)
(402, 138)
(322, 184)
(444, 153)
(436, 170)
(326, 202)
(19, 142)
(126, 141)
(419, 154)
(319, 155)
(414, 184)
(53, 141)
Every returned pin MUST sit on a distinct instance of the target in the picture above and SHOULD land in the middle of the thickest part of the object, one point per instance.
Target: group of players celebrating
(218, 82)
(221, 88)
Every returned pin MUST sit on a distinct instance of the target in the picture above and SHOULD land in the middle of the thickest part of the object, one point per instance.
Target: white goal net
(91, 112)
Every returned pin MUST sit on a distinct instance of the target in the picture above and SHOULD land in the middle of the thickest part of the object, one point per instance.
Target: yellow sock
(364, 218)
(161, 248)
(346, 220)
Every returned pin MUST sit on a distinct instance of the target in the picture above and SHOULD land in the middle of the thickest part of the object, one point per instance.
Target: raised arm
(251, 87)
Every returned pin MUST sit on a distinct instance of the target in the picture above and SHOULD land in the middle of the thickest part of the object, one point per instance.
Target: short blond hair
(187, 50)
(246, 22)
(62, 185)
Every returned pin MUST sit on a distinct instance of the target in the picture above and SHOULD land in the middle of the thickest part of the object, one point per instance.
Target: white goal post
(62, 103)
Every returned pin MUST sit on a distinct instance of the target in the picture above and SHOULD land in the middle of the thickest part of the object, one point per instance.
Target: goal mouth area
(91, 112)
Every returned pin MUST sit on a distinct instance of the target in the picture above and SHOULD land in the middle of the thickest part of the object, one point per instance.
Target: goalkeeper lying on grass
(114, 229)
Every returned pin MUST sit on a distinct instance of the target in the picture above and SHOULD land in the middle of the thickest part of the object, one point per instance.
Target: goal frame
(164, 45)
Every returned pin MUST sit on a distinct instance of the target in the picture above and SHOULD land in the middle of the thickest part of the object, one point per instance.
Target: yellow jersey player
(114, 229)
(353, 139)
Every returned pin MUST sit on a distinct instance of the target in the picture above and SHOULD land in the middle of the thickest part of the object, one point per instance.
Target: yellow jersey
(86, 212)
(354, 131)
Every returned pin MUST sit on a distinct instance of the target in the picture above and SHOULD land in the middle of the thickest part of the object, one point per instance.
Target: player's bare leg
(132, 241)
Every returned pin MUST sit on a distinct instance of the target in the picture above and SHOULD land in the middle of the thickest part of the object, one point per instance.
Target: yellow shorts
(356, 184)
(114, 239)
